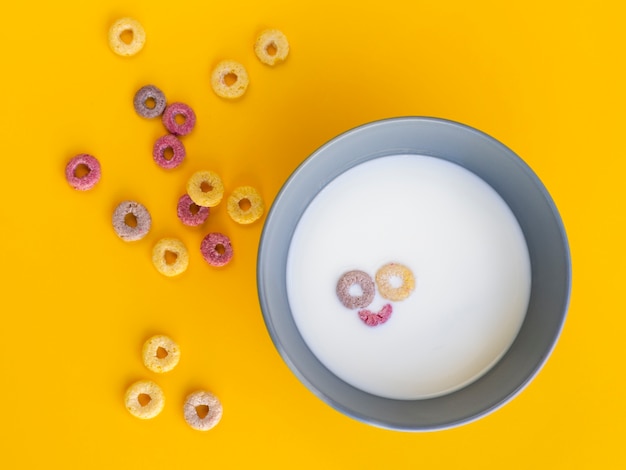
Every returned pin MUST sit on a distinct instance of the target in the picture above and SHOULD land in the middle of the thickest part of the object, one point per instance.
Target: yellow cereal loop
(144, 399)
(245, 205)
(385, 277)
(229, 79)
(137, 39)
(205, 188)
(160, 354)
(271, 47)
(170, 257)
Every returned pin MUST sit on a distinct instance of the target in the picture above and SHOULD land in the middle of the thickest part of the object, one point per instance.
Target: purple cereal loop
(183, 210)
(364, 281)
(209, 245)
(179, 109)
(126, 232)
(161, 145)
(143, 95)
(87, 181)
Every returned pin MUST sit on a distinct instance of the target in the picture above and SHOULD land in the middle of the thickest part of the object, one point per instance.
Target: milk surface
(470, 262)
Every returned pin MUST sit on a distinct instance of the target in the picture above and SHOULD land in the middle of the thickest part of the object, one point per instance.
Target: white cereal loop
(229, 79)
(160, 354)
(137, 41)
(144, 399)
(271, 47)
(195, 410)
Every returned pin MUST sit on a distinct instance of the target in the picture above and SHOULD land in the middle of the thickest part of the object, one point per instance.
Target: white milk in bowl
(465, 249)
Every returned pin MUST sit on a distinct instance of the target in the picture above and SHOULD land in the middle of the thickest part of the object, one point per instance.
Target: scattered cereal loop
(144, 399)
(245, 205)
(92, 172)
(216, 249)
(172, 143)
(229, 79)
(271, 47)
(170, 257)
(385, 277)
(160, 354)
(131, 221)
(190, 213)
(149, 102)
(202, 410)
(205, 188)
(138, 39)
(362, 281)
(182, 112)
(374, 319)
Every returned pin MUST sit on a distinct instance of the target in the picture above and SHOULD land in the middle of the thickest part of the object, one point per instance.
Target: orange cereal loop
(229, 79)
(245, 205)
(395, 281)
(271, 47)
(160, 354)
(205, 188)
(144, 399)
(137, 37)
(170, 257)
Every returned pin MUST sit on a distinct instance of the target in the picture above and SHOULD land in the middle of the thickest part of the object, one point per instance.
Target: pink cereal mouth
(375, 319)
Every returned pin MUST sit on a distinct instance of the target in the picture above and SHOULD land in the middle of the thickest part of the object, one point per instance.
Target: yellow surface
(545, 78)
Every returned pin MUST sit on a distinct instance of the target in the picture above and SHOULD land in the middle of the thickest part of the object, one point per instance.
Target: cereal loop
(363, 281)
(168, 248)
(205, 188)
(185, 113)
(385, 277)
(131, 221)
(245, 205)
(160, 148)
(117, 43)
(202, 410)
(216, 249)
(146, 96)
(144, 399)
(374, 319)
(190, 213)
(92, 172)
(160, 354)
(271, 47)
(229, 79)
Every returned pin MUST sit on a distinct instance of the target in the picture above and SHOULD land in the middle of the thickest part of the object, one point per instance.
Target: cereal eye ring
(185, 112)
(384, 278)
(202, 410)
(144, 399)
(271, 47)
(131, 221)
(171, 142)
(216, 249)
(245, 205)
(174, 248)
(205, 188)
(144, 96)
(117, 43)
(93, 172)
(160, 354)
(190, 213)
(229, 79)
(363, 281)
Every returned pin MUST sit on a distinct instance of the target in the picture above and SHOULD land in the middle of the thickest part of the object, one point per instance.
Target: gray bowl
(517, 185)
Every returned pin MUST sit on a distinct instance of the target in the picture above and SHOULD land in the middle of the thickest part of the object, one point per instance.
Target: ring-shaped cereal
(216, 249)
(229, 79)
(170, 247)
(271, 47)
(160, 354)
(363, 281)
(116, 42)
(90, 178)
(198, 418)
(190, 213)
(168, 141)
(187, 115)
(390, 271)
(205, 188)
(245, 205)
(145, 95)
(144, 399)
(140, 218)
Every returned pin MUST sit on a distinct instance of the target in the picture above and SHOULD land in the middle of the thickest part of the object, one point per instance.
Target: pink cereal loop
(179, 109)
(168, 141)
(211, 251)
(89, 180)
(374, 319)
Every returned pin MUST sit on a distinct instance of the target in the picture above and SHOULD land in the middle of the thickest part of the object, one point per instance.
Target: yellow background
(545, 78)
